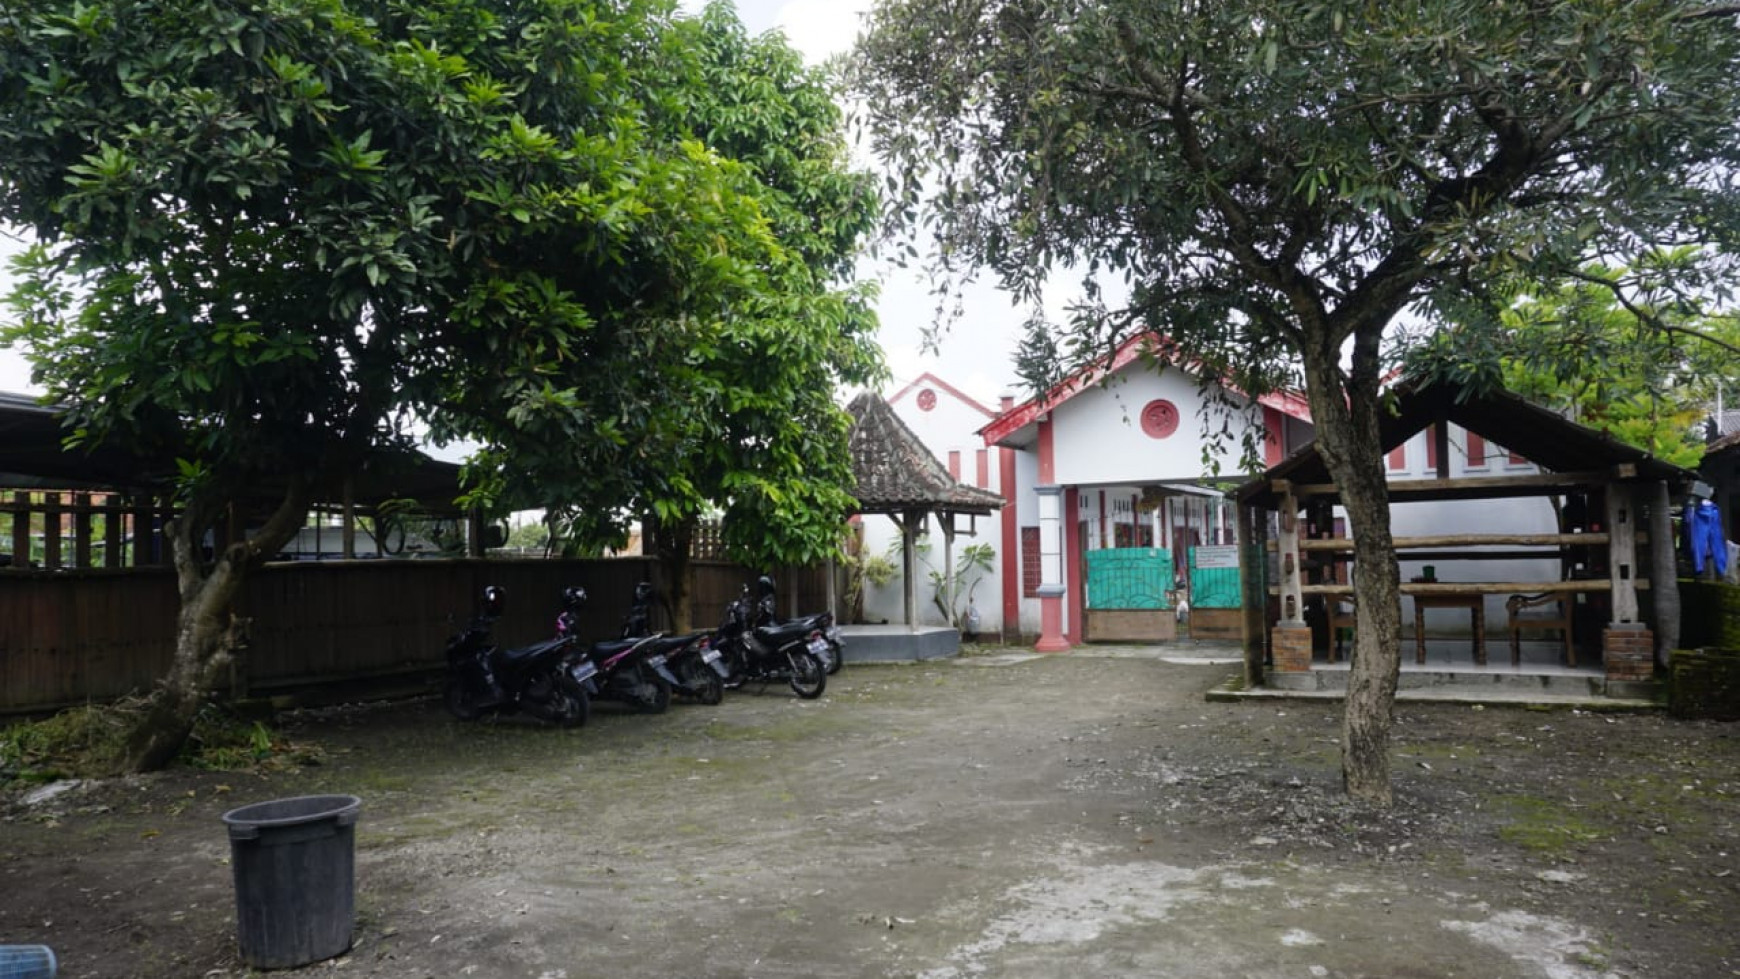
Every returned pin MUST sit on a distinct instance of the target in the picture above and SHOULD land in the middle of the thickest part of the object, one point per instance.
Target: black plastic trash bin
(295, 870)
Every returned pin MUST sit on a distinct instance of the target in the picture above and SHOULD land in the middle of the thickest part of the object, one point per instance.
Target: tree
(1618, 350)
(739, 415)
(274, 229)
(1278, 181)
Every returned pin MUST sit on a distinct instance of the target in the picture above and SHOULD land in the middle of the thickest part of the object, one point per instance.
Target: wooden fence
(52, 530)
(71, 637)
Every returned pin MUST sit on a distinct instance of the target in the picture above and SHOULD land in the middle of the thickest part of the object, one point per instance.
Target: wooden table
(1475, 604)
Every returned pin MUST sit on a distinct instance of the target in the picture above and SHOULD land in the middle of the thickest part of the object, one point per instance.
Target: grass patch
(1542, 826)
(91, 741)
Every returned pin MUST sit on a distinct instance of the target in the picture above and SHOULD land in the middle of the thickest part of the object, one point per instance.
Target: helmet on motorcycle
(573, 596)
(494, 601)
(643, 593)
(765, 583)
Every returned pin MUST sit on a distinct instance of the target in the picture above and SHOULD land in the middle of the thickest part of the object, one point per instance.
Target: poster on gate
(1217, 556)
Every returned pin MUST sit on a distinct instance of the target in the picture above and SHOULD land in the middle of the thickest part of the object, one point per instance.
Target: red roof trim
(928, 378)
(1291, 403)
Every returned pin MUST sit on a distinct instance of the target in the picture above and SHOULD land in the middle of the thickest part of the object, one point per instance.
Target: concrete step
(897, 643)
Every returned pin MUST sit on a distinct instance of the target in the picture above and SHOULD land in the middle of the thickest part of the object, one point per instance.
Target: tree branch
(1650, 319)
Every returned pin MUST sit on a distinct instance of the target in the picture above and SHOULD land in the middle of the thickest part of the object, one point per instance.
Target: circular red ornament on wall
(926, 399)
(1159, 419)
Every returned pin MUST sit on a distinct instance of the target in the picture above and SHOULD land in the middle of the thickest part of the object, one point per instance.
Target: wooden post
(1664, 582)
(114, 523)
(51, 514)
(350, 519)
(1622, 551)
(21, 529)
(1292, 599)
(909, 557)
(82, 530)
(1441, 445)
(474, 533)
(947, 520)
(1253, 548)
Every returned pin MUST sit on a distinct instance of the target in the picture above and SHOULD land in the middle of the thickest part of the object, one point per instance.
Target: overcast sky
(975, 356)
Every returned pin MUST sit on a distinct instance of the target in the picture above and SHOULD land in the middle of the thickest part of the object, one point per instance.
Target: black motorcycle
(620, 668)
(790, 651)
(831, 654)
(689, 663)
(544, 680)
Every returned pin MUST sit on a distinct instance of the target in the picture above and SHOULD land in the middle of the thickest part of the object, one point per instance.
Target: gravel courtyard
(997, 815)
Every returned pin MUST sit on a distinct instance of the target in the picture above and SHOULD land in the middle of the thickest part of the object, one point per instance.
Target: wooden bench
(1561, 618)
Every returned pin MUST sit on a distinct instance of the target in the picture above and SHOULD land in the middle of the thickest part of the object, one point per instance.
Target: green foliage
(718, 396)
(1619, 350)
(1274, 179)
(526, 536)
(972, 564)
(88, 742)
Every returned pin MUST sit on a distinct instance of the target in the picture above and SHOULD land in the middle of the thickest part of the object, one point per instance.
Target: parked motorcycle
(621, 671)
(833, 656)
(689, 663)
(790, 651)
(544, 679)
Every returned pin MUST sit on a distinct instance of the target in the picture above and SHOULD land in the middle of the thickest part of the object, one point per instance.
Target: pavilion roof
(1554, 443)
(896, 473)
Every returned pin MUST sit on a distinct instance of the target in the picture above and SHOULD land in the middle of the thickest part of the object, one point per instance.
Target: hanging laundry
(1704, 537)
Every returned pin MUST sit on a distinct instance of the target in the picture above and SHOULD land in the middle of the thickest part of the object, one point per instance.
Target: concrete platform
(897, 643)
(1449, 675)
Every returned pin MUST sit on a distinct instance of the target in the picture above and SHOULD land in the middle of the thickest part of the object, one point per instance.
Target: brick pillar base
(1292, 644)
(1629, 651)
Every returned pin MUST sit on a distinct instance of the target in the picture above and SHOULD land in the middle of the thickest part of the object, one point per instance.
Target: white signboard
(1220, 556)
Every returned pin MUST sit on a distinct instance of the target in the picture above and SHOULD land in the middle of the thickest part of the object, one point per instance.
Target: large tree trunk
(675, 542)
(207, 631)
(1347, 417)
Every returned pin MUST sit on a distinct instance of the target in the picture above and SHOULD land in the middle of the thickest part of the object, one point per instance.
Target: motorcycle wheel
(459, 701)
(809, 678)
(571, 705)
(701, 683)
(836, 657)
(650, 693)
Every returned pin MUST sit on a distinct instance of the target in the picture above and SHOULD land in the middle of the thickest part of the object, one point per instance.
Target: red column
(1011, 545)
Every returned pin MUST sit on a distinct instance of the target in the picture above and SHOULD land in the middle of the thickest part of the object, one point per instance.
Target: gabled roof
(1722, 444)
(1152, 345)
(927, 379)
(896, 473)
(1554, 443)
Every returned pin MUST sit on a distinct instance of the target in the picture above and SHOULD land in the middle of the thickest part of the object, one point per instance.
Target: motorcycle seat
(670, 644)
(607, 648)
(779, 635)
(526, 654)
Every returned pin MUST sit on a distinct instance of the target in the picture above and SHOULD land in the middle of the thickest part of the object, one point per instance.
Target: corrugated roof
(895, 471)
(33, 456)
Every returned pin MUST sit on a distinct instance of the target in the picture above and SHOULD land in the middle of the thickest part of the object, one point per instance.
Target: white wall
(1523, 515)
(1097, 435)
(951, 425)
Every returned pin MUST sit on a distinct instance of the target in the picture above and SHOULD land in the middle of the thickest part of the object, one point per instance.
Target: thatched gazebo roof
(897, 474)
(899, 477)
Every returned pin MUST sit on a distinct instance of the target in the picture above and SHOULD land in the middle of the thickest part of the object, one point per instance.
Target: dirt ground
(999, 815)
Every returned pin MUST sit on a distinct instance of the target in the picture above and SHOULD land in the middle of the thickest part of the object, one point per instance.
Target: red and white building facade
(1115, 458)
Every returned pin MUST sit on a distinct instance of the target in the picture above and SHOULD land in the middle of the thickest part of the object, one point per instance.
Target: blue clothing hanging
(1704, 537)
